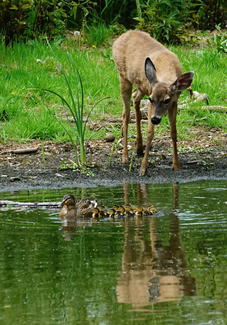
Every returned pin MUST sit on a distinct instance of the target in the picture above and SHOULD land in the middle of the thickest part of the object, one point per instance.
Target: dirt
(204, 156)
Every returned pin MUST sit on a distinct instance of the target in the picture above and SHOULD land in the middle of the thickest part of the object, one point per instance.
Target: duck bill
(62, 203)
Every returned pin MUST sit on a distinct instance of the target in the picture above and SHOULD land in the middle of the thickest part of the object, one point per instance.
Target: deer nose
(155, 120)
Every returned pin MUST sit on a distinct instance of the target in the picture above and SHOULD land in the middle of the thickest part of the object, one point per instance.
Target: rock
(110, 137)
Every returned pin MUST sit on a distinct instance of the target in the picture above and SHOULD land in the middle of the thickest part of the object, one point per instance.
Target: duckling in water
(119, 210)
(70, 208)
(99, 212)
(151, 210)
(112, 213)
(140, 211)
(96, 213)
(129, 209)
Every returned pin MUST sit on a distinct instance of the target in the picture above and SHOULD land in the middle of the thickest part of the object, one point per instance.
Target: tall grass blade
(111, 154)
(64, 74)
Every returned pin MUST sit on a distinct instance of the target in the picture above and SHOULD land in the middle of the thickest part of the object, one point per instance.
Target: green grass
(98, 35)
(24, 113)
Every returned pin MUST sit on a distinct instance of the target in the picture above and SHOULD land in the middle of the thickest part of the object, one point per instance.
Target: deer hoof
(142, 171)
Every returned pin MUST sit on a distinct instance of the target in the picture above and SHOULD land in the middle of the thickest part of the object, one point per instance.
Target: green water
(167, 269)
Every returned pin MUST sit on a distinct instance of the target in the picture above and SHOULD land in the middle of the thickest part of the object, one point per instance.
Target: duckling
(119, 210)
(96, 213)
(112, 213)
(129, 209)
(151, 210)
(115, 207)
(71, 208)
(103, 210)
(99, 212)
(139, 212)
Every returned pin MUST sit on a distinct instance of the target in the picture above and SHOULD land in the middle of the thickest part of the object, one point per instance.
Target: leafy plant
(12, 18)
(23, 19)
(219, 42)
(210, 13)
(164, 19)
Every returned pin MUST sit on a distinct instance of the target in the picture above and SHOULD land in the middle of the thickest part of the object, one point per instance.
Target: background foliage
(164, 19)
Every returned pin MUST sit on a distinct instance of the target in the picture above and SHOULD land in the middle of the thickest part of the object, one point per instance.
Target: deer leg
(126, 91)
(173, 134)
(139, 140)
(150, 136)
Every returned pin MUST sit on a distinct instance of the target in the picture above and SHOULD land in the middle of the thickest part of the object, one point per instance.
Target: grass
(73, 108)
(24, 114)
(98, 35)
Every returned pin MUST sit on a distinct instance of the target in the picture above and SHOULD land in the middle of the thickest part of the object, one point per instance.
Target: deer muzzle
(156, 120)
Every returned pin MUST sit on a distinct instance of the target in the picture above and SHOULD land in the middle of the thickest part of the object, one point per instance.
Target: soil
(203, 157)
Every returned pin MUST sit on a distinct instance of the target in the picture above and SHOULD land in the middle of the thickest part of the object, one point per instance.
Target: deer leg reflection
(153, 272)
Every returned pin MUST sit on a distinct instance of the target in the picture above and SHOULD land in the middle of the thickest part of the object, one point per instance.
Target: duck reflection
(153, 272)
(75, 214)
(71, 227)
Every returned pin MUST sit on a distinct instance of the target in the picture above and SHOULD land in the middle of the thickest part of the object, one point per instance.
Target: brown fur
(162, 84)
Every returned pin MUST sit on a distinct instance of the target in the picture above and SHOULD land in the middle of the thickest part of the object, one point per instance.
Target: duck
(70, 208)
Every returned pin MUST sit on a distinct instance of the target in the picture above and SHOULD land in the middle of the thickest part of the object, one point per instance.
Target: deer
(155, 72)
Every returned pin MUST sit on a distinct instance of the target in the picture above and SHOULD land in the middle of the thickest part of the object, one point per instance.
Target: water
(165, 269)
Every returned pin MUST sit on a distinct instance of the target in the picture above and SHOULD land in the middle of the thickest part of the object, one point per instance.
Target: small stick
(21, 151)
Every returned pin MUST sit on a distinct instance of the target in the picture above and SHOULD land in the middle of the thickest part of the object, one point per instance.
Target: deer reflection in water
(152, 272)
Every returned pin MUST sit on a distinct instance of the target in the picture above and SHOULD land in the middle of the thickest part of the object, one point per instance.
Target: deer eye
(166, 101)
(151, 100)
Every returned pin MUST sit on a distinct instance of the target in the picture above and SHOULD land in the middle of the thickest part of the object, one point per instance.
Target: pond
(169, 268)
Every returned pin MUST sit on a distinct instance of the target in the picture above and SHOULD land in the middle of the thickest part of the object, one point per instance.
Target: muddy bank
(28, 171)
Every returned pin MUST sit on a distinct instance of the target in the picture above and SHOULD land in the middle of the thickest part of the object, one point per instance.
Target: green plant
(12, 18)
(98, 34)
(76, 110)
(219, 42)
(164, 19)
(210, 13)
(24, 19)
(111, 154)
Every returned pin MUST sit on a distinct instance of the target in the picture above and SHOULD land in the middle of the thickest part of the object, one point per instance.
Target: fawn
(156, 72)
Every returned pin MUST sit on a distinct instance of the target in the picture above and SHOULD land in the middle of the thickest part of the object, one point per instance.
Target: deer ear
(183, 82)
(150, 71)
